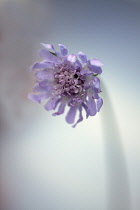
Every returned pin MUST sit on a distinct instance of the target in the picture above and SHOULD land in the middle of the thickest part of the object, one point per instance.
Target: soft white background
(46, 164)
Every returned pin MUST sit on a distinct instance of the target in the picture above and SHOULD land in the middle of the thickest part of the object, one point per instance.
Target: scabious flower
(64, 80)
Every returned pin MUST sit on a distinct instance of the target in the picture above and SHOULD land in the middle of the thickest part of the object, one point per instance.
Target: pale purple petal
(85, 71)
(80, 117)
(45, 54)
(92, 93)
(48, 46)
(95, 94)
(37, 98)
(86, 109)
(45, 74)
(77, 65)
(42, 65)
(61, 108)
(96, 62)
(37, 88)
(48, 88)
(96, 70)
(51, 104)
(57, 102)
(44, 83)
(63, 50)
(96, 82)
(99, 104)
(82, 56)
(72, 58)
(71, 115)
(91, 106)
(95, 66)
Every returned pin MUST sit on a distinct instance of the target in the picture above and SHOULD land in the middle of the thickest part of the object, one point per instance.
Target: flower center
(68, 82)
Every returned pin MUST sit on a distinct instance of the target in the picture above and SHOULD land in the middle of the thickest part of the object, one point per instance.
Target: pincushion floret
(67, 80)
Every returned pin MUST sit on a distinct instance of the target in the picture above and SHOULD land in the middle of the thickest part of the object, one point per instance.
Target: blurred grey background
(44, 163)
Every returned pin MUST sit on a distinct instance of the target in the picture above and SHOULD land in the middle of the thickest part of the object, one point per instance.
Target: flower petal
(99, 104)
(85, 71)
(45, 54)
(72, 58)
(61, 108)
(96, 69)
(45, 74)
(63, 49)
(48, 46)
(51, 47)
(96, 83)
(91, 106)
(86, 109)
(44, 83)
(80, 117)
(77, 65)
(48, 88)
(82, 56)
(37, 88)
(96, 62)
(51, 104)
(37, 98)
(70, 117)
(42, 65)
(95, 66)
(95, 94)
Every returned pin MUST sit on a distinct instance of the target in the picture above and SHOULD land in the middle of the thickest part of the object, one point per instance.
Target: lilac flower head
(67, 80)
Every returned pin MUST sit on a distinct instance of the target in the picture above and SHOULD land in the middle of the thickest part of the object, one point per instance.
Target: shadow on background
(117, 175)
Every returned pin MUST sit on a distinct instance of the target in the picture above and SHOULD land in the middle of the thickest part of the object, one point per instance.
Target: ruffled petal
(99, 104)
(44, 83)
(86, 109)
(72, 58)
(95, 66)
(70, 117)
(45, 54)
(63, 50)
(37, 88)
(95, 94)
(91, 106)
(82, 56)
(48, 46)
(61, 108)
(96, 62)
(57, 102)
(51, 48)
(48, 87)
(80, 117)
(96, 83)
(42, 65)
(51, 104)
(96, 69)
(85, 69)
(77, 65)
(45, 74)
(37, 98)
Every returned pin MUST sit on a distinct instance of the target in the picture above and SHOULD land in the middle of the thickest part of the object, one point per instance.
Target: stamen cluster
(69, 82)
